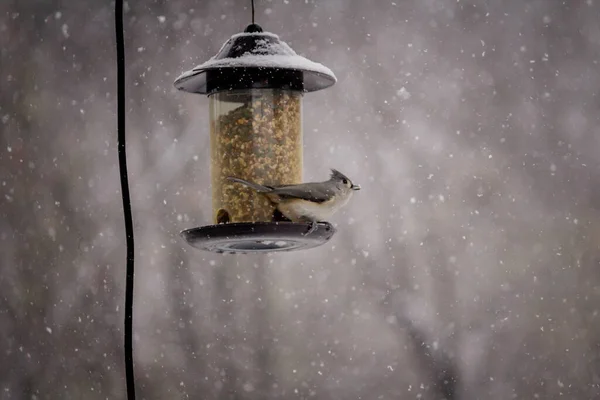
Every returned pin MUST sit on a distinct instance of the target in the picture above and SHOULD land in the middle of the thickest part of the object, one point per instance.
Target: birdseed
(260, 141)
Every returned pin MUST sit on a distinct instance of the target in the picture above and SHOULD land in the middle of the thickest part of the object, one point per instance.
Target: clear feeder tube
(256, 135)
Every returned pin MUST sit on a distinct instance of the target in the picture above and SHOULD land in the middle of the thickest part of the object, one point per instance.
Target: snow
(267, 55)
(444, 248)
(403, 93)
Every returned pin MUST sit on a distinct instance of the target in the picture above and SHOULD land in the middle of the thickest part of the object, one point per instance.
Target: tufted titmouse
(308, 202)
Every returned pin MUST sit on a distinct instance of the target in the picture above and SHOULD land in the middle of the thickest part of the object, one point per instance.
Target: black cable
(126, 199)
(252, 1)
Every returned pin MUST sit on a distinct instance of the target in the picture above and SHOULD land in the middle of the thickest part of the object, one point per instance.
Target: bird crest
(337, 175)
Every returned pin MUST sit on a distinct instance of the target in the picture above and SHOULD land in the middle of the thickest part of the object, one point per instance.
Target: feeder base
(257, 237)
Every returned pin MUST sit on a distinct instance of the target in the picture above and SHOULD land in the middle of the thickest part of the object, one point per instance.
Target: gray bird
(308, 202)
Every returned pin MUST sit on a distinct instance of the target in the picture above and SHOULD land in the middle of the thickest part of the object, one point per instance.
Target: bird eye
(345, 181)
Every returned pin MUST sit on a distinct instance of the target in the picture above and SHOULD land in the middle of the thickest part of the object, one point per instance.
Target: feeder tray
(257, 237)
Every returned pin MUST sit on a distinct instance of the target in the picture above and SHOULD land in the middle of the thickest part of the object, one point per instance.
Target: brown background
(476, 232)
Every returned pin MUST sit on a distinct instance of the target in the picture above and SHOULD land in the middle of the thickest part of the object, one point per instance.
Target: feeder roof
(255, 50)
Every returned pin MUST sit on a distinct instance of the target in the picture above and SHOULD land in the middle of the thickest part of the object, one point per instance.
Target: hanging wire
(252, 1)
(129, 377)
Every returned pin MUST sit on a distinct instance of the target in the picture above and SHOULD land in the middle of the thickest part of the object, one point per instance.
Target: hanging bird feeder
(255, 85)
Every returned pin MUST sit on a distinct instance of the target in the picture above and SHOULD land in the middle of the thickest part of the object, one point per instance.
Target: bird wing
(314, 192)
(255, 186)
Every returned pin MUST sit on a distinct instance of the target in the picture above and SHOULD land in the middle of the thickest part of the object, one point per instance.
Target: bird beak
(355, 187)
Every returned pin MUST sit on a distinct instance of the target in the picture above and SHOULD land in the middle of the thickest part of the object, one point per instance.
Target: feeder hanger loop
(252, 4)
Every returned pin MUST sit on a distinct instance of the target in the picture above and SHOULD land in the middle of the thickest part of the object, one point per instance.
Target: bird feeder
(255, 85)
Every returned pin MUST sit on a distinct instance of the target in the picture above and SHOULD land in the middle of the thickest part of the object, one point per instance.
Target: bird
(312, 202)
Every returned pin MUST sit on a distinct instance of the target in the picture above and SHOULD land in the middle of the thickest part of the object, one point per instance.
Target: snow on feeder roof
(256, 59)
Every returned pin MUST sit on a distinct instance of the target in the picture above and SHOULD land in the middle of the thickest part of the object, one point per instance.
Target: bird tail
(255, 186)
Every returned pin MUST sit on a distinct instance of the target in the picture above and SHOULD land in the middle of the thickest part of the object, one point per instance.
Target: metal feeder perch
(255, 85)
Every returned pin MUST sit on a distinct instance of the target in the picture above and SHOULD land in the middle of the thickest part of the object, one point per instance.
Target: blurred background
(466, 268)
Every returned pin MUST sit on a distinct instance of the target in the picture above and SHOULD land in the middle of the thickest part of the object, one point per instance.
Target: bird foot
(313, 227)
